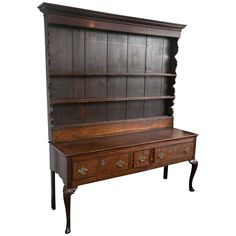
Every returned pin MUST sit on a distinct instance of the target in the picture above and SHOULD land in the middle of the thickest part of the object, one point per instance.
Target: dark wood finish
(99, 100)
(67, 196)
(142, 158)
(59, 164)
(128, 171)
(104, 164)
(89, 157)
(110, 93)
(47, 9)
(185, 149)
(194, 164)
(111, 142)
(164, 153)
(107, 68)
(165, 173)
(53, 196)
(175, 151)
(76, 74)
(86, 23)
(72, 133)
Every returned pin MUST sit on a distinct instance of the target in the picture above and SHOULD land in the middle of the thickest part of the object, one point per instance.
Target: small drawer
(184, 149)
(120, 162)
(84, 169)
(98, 166)
(163, 154)
(141, 158)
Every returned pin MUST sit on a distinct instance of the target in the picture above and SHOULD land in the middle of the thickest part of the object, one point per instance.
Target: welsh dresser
(110, 93)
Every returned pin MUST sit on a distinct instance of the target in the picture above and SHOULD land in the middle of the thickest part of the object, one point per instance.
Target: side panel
(60, 164)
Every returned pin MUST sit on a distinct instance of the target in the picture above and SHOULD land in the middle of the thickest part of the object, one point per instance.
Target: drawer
(171, 152)
(141, 158)
(164, 153)
(184, 149)
(98, 166)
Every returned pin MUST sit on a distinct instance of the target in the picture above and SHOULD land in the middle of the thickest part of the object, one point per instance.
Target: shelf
(75, 74)
(98, 100)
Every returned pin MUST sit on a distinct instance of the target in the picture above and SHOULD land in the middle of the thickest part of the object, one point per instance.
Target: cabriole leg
(53, 197)
(67, 195)
(194, 164)
(165, 174)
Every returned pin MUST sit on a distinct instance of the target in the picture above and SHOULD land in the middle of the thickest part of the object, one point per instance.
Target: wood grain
(111, 142)
(95, 60)
(114, 99)
(111, 26)
(110, 90)
(111, 74)
(100, 165)
(136, 64)
(60, 49)
(116, 63)
(66, 134)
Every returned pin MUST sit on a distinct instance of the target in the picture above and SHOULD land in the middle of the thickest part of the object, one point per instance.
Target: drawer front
(164, 153)
(141, 158)
(101, 165)
(184, 149)
(171, 152)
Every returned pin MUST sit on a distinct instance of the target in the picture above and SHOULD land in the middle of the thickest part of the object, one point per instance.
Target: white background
(139, 204)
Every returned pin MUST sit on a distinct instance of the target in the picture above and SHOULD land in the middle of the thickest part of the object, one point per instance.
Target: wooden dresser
(110, 93)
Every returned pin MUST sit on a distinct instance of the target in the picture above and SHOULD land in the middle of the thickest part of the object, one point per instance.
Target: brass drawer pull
(162, 155)
(120, 163)
(187, 150)
(83, 170)
(142, 158)
(103, 163)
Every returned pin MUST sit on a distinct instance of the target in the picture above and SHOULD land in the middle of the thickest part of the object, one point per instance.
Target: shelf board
(76, 125)
(98, 100)
(75, 74)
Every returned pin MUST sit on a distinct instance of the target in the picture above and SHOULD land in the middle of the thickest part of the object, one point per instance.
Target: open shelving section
(97, 75)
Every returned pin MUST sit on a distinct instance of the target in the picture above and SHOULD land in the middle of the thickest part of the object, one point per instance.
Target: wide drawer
(171, 152)
(101, 165)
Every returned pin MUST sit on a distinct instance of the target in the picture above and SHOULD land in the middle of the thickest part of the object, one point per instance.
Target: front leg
(67, 195)
(194, 164)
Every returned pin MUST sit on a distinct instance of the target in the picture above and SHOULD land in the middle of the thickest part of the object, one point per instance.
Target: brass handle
(120, 163)
(187, 150)
(161, 155)
(83, 170)
(103, 163)
(142, 159)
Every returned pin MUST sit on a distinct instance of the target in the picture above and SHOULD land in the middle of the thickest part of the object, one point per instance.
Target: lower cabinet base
(68, 191)
(90, 160)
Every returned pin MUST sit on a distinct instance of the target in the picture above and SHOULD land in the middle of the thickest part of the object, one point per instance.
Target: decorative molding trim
(64, 15)
(48, 8)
